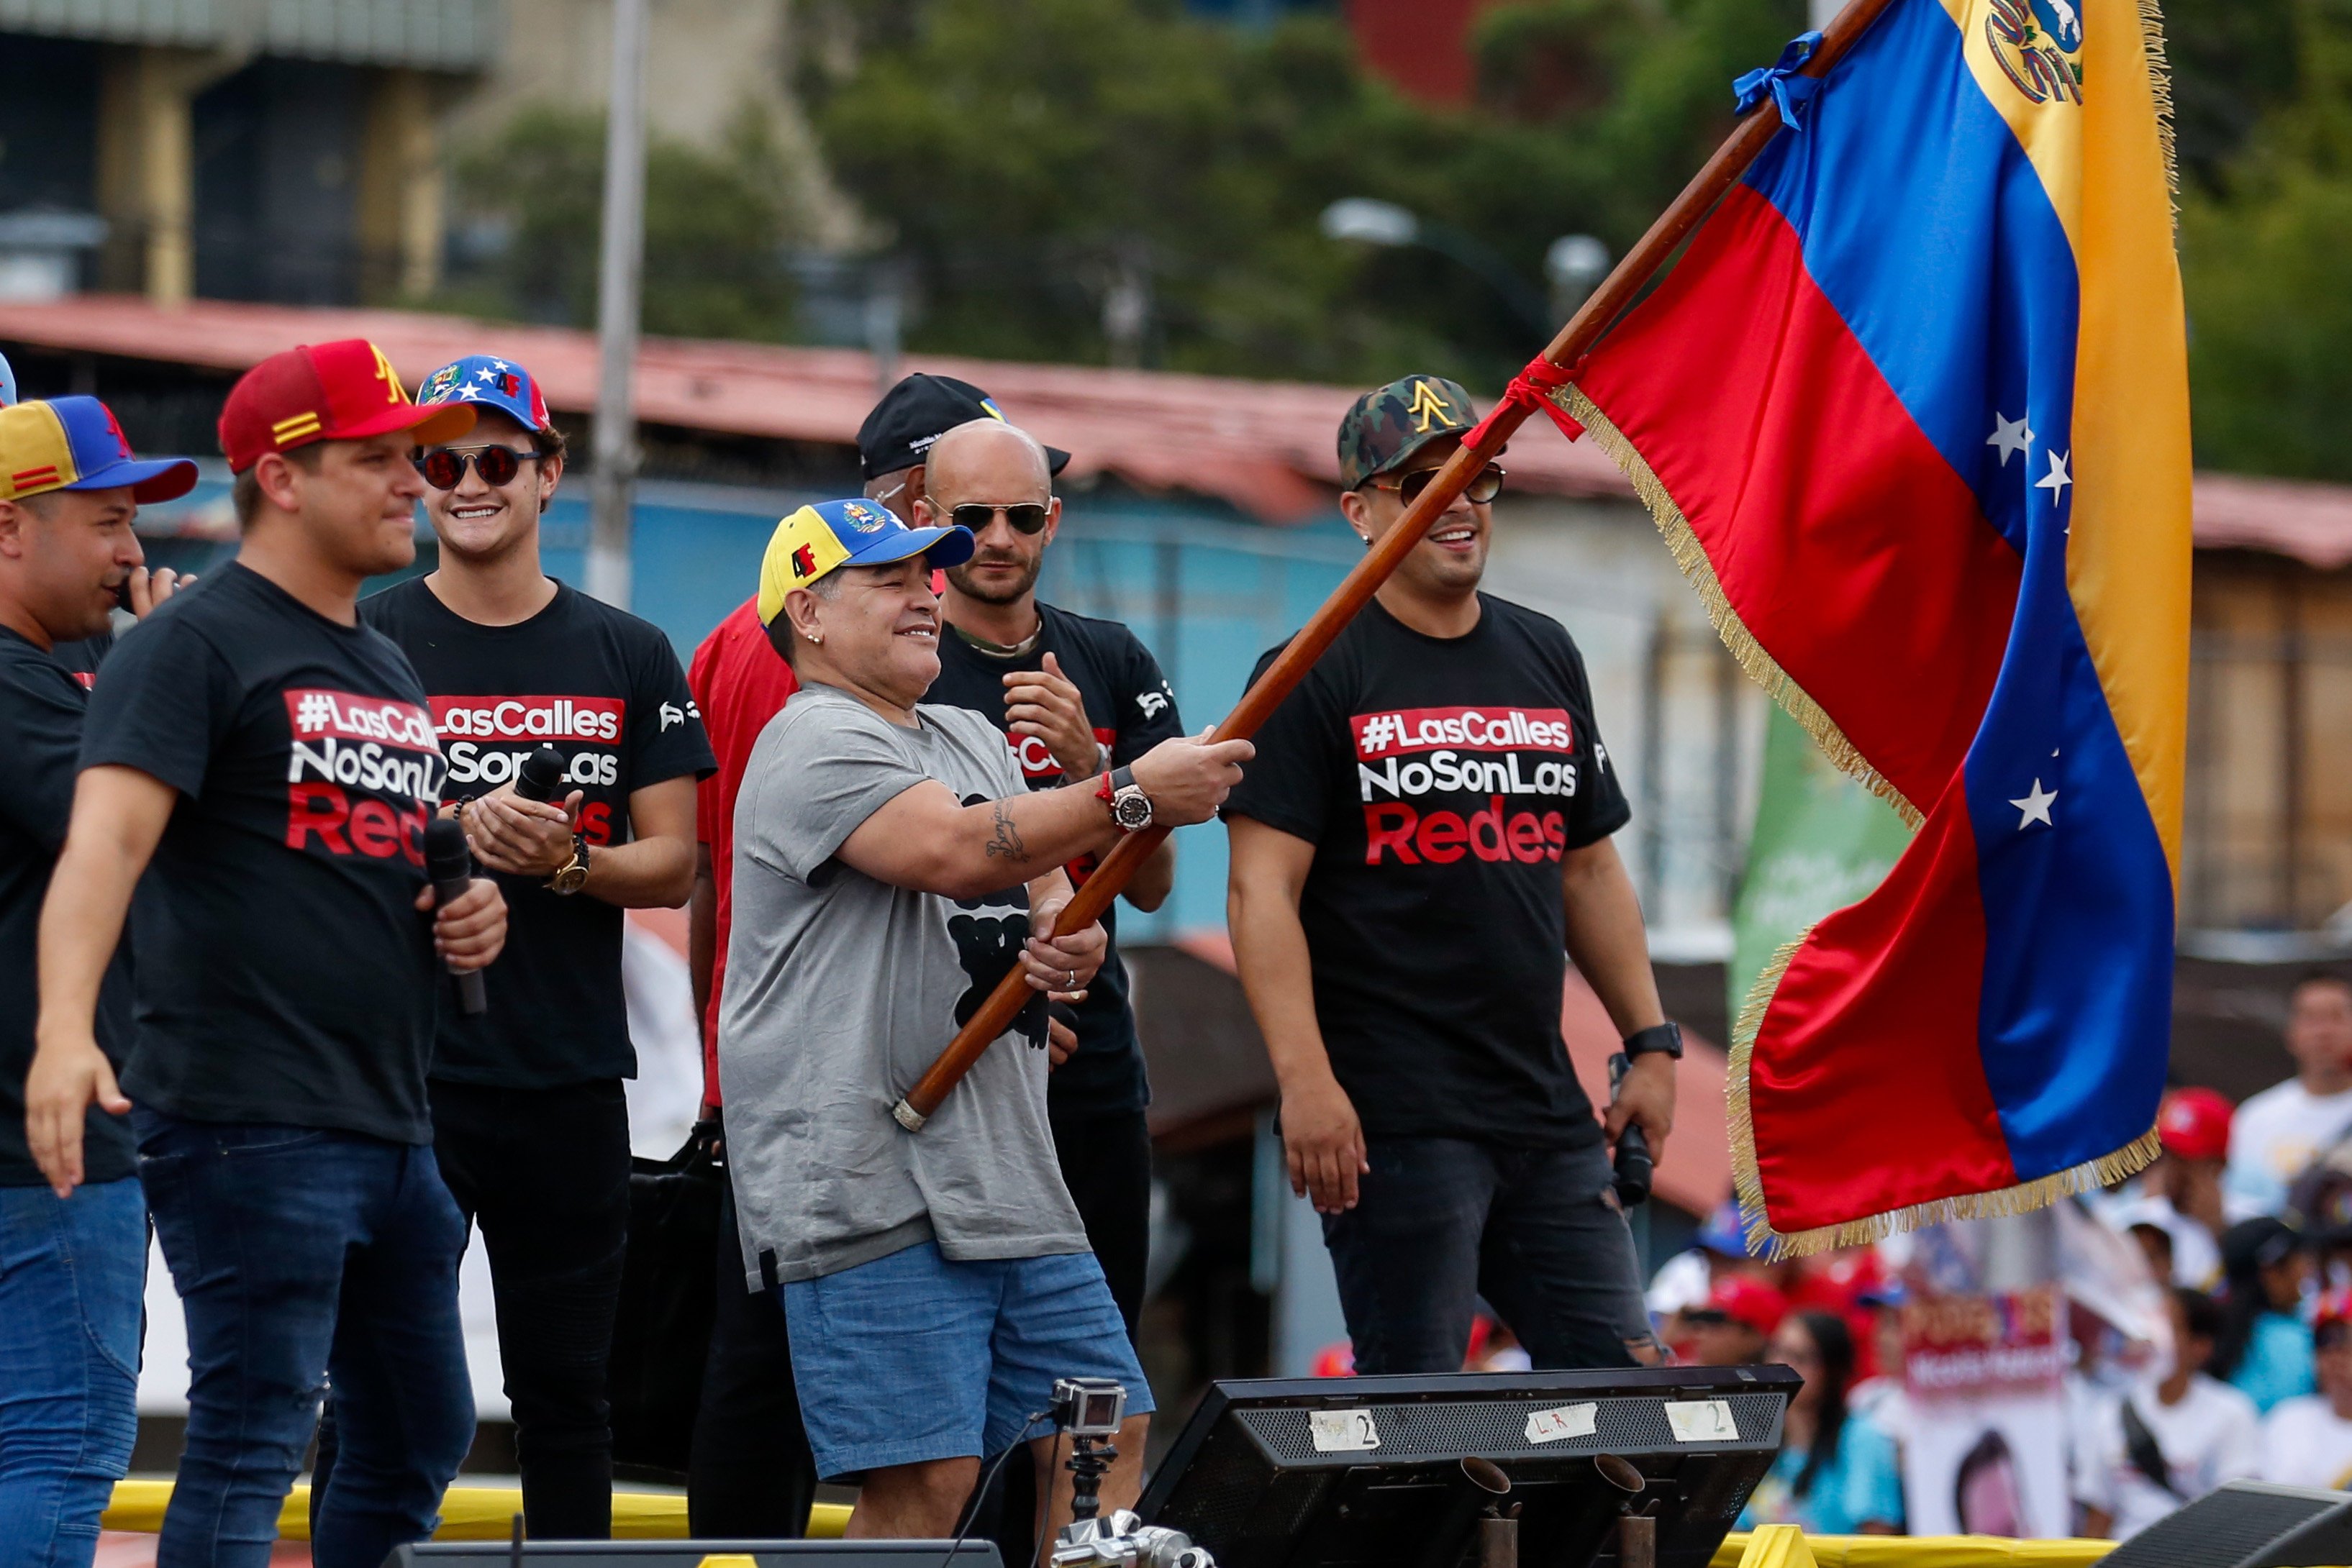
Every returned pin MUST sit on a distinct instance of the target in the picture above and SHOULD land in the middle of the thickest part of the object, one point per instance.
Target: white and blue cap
(825, 536)
(7, 383)
(486, 380)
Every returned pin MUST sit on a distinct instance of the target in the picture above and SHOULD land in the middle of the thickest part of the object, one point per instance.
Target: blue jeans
(1440, 1222)
(73, 1272)
(301, 1254)
(914, 1357)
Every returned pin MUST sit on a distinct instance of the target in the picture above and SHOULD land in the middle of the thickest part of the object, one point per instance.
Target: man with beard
(72, 1270)
(1076, 698)
(1429, 819)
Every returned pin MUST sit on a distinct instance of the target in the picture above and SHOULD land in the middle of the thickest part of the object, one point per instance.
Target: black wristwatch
(1130, 807)
(1659, 1037)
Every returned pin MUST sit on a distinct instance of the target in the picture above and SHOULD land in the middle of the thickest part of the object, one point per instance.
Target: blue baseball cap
(828, 535)
(1723, 1232)
(74, 443)
(7, 383)
(487, 381)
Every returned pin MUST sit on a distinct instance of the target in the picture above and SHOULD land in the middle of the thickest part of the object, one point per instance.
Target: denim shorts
(914, 1358)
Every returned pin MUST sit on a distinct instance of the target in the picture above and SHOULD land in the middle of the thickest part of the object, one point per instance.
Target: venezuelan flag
(1913, 414)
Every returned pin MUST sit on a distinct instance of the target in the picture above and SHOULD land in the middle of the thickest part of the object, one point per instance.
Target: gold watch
(574, 875)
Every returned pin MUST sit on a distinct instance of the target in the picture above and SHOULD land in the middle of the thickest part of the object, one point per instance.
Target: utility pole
(621, 265)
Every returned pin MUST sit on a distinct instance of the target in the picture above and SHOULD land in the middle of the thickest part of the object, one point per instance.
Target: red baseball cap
(344, 391)
(1746, 1299)
(2194, 1123)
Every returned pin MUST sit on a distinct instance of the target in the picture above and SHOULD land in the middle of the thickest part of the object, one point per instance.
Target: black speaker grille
(1498, 1429)
(2224, 1527)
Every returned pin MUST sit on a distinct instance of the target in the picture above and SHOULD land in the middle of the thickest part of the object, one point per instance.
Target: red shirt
(740, 682)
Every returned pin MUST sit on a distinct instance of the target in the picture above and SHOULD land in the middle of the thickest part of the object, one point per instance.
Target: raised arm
(925, 840)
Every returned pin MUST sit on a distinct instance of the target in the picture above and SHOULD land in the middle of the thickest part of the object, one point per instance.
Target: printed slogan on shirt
(1403, 756)
(363, 774)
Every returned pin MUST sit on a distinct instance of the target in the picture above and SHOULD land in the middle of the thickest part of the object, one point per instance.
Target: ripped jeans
(1440, 1222)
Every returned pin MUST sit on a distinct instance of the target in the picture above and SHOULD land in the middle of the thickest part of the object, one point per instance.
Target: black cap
(899, 431)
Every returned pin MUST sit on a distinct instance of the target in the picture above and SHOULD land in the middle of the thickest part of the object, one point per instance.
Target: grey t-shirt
(842, 990)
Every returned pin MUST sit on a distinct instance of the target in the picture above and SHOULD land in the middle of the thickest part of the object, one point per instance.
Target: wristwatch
(1667, 1038)
(574, 875)
(1130, 807)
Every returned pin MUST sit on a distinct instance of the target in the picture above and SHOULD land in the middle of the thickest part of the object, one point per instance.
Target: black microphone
(540, 777)
(1634, 1165)
(450, 865)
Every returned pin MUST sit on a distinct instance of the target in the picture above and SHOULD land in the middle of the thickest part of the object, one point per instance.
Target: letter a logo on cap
(1429, 403)
(804, 562)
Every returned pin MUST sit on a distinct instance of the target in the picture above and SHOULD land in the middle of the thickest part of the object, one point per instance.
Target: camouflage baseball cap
(1385, 427)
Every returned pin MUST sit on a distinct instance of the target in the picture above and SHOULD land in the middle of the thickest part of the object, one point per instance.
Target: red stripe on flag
(1852, 552)
(1866, 1085)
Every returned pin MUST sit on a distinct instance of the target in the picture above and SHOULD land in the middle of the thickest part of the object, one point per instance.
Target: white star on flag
(2010, 435)
(2035, 806)
(2057, 479)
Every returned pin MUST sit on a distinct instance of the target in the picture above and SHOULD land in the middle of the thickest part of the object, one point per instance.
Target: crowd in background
(2243, 1225)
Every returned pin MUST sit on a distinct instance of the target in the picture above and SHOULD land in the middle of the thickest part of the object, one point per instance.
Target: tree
(715, 229)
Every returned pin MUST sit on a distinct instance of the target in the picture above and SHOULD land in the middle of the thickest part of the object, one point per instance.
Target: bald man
(1078, 699)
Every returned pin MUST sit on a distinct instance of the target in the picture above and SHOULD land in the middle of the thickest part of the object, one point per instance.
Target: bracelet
(1665, 1039)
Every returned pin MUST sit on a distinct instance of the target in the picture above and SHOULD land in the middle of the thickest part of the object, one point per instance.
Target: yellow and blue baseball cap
(74, 443)
(825, 536)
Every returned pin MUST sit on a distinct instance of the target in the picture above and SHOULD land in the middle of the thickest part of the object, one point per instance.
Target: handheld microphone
(1634, 1165)
(540, 777)
(450, 865)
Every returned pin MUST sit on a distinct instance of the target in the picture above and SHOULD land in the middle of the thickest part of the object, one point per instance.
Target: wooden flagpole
(1756, 129)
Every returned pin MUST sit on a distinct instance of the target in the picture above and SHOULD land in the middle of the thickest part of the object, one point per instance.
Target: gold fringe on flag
(1766, 670)
(2160, 86)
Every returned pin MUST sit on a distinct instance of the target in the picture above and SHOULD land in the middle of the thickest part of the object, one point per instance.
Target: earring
(815, 636)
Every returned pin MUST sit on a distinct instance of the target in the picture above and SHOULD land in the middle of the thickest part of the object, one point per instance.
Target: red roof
(1266, 448)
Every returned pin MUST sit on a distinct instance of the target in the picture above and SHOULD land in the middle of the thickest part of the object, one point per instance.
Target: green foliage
(2266, 238)
(1027, 153)
(715, 225)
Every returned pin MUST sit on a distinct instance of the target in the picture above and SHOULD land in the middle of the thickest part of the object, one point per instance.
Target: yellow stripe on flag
(2128, 560)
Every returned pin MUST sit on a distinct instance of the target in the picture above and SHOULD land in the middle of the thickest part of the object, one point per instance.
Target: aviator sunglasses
(1484, 486)
(445, 467)
(1026, 517)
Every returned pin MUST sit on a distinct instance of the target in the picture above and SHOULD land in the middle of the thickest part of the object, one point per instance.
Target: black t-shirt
(41, 707)
(1131, 708)
(284, 972)
(604, 688)
(1441, 780)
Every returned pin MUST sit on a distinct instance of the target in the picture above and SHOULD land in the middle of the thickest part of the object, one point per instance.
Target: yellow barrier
(487, 1513)
(468, 1513)
(1774, 1548)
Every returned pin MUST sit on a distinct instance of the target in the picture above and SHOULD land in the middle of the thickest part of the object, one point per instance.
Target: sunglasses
(1484, 486)
(445, 467)
(1026, 517)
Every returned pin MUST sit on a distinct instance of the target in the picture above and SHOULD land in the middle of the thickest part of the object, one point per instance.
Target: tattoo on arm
(1007, 842)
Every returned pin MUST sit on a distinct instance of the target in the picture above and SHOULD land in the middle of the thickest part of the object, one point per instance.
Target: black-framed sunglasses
(1484, 486)
(1026, 517)
(445, 467)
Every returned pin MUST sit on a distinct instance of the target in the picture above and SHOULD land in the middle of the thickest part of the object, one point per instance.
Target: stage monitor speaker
(1396, 1472)
(696, 1553)
(2246, 1525)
